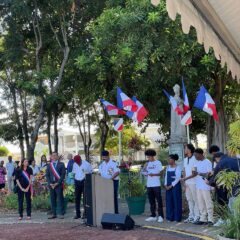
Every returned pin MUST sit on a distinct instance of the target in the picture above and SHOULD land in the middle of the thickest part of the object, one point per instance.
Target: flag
(124, 102)
(187, 119)
(140, 114)
(186, 106)
(205, 102)
(118, 124)
(174, 103)
(111, 109)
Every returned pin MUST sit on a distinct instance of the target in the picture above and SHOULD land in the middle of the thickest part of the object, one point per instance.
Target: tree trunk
(55, 123)
(104, 133)
(49, 123)
(217, 131)
(19, 125)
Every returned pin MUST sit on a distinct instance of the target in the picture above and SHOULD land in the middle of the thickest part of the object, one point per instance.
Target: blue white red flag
(124, 102)
(186, 106)
(174, 103)
(111, 109)
(187, 118)
(140, 114)
(205, 102)
(118, 124)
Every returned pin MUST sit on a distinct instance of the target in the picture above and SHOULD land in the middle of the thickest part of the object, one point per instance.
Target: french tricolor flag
(174, 103)
(186, 105)
(187, 118)
(205, 102)
(124, 102)
(140, 114)
(118, 124)
(111, 109)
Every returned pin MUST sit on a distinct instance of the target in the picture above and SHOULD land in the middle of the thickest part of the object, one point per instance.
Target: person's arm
(178, 176)
(165, 179)
(62, 174)
(116, 172)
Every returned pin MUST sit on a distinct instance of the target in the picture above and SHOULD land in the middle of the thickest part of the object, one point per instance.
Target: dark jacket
(19, 176)
(60, 168)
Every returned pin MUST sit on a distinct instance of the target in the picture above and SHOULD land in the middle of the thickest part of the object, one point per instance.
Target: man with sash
(55, 175)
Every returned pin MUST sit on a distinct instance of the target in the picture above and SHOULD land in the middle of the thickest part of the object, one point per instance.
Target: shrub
(3, 151)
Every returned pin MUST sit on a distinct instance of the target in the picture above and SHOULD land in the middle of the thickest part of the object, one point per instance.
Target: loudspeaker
(117, 221)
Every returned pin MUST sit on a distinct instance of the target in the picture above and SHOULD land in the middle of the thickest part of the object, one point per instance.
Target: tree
(136, 46)
(3, 151)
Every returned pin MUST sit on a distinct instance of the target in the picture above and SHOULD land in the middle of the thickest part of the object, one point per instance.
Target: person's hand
(52, 185)
(206, 181)
(151, 174)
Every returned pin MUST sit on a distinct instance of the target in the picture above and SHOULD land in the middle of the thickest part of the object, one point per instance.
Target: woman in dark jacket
(24, 182)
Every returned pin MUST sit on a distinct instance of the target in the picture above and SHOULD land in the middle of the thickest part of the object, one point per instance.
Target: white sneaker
(189, 220)
(151, 219)
(219, 223)
(160, 219)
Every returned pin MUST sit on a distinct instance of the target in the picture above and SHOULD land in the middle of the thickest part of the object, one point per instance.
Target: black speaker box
(117, 221)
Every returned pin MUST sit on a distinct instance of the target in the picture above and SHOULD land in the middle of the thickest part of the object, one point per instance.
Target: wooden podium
(99, 198)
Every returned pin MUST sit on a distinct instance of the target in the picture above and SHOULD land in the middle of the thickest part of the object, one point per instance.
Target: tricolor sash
(54, 171)
(27, 177)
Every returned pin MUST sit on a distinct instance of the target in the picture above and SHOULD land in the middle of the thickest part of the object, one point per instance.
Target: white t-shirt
(154, 167)
(204, 166)
(107, 170)
(178, 173)
(81, 171)
(189, 165)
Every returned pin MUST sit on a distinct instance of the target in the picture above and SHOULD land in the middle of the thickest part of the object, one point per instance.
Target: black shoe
(199, 223)
(52, 217)
(210, 224)
(76, 217)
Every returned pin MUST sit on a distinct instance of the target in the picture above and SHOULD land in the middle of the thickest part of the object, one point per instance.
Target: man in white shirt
(80, 169)
(205, 203)
(109, 169)
(190, 184)
(10, 170)
(153, 171)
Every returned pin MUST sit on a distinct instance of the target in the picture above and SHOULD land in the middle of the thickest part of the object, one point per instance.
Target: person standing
(10, 170)
(3, 172)
(70, 179)
(24, 181)
(190, 184)
(80, 169)
(152, 171)
(109, 169)
(43, 163)
(35, 169)
(205, 203)
(55, 175)
(173, 190)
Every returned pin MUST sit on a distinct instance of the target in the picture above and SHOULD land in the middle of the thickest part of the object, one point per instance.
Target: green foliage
(40, 202)
(227, 180)
(232, 227)
(163, 156)
(133, 186)
(3, 151)
(69, 192)
(131, 141)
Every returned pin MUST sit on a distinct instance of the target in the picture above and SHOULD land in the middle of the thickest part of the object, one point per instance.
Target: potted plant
(136, 194)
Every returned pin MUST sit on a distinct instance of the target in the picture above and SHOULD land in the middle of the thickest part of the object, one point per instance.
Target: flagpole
(188, 135)
(119, 147)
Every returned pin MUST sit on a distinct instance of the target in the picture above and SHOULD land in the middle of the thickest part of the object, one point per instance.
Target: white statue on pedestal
(178, 131)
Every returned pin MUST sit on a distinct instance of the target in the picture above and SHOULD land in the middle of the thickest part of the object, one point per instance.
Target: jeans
(154, 193)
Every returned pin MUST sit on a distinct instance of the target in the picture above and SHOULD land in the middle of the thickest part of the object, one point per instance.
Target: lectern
(99, 198)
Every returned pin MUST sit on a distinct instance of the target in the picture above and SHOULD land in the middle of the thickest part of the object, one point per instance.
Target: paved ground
(68, 228)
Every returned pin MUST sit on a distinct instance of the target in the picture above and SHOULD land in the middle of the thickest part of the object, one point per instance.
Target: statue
(178, 131)
(178, 136)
